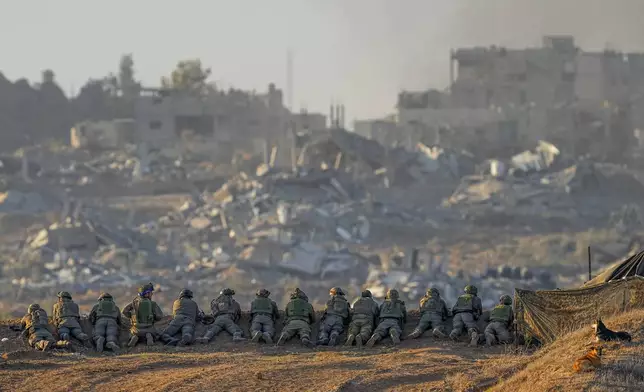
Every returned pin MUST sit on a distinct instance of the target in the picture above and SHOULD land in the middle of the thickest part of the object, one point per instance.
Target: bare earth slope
(419, 365)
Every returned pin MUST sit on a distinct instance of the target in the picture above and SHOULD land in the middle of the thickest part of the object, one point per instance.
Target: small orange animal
(590, 361)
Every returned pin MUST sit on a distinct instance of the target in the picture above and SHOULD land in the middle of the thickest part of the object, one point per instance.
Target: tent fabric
(628, 267)
(549, 314)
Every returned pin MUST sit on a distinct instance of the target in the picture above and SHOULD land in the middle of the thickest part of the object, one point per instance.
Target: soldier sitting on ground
(106, 319)
(227, 313)
(263, 313)
(299, 317)
(467, 310)
(143, 313)
(393, 316)
(66, 316)
(364, 315)
(35, 328)
(433, 310)
(501, 319)
(336, 314)
(185, 314)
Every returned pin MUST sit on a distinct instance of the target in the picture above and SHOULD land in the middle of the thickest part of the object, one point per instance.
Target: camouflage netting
(547, 315)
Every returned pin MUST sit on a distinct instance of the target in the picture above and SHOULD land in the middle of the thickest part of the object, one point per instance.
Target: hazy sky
(359, 52)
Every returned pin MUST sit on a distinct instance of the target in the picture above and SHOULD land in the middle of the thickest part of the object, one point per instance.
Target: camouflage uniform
(226, 312)
(143, 313)
(363, 317)
(35, 327)
(65, 316)
(501, 318)
(106, 318)
(336, 314)
(185, 314)
(263, 313)
(467, 310)
(433, 310)
(299, 317)
(393, 316)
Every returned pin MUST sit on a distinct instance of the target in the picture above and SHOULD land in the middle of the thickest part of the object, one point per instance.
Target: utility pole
(289, 79)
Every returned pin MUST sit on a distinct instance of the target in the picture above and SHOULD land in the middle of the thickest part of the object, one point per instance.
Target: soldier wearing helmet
(66, 316)
(433, 310)
(501, 319)
(35, 328)
(185, 315)
(335, 316)
(143, 313)
(299, 317)
(226, 312)
(467, 310)
(106, 319)
(393, 316)
(364, 315)
(263, 313)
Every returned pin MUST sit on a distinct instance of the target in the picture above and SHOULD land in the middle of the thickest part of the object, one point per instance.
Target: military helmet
(392, 294)
(506, 299)
(366, 294)
(186, 293)
(146, 288)
(336, 291)
(433, 292)
(64, 294)
(105, 296)
(227, 291)
(471, 289)
(33, 307)
(297, 293)
(263, 293)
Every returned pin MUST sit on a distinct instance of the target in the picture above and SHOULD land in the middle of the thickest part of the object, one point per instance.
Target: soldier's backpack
(261, 305)
(68, 309)
(222, 305)
(39, 318)
(338, 306)
(144, 312)
(106, 308)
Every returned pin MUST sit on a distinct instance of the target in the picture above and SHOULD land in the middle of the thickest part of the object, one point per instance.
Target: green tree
(189, 76)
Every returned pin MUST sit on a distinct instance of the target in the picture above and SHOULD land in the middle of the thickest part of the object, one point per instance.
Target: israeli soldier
(35, 327)
(263, 313)
(364, 316)
(185, 315)
(467, 310)
(143, 313)
(299, 317)
(227, 313)
(393, 316)
(433, 310)
(66, 316)
(106, 319)
(501, 319)
(336, 314)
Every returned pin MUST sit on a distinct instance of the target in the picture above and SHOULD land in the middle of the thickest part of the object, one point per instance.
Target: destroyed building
(500, 101)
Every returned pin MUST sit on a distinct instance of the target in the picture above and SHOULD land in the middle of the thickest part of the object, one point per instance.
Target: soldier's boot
(64, 336)
(438, 333)
(454, 335)
(373, 340)
(307, 342)
(350, 340)
(134, 339)
(87, 342)
(185, 340)
(323, 340)
(489, 340)
(100, 341)
(268, 338)
(256, 336)
(113, 346)
(281, 340)
(205, 338)
(333, 339)
(61, 344)
(474, 338)
(359, 341)
(170, 341)
(237, 337)
(415, 334)
(395, 336)
(149, 339)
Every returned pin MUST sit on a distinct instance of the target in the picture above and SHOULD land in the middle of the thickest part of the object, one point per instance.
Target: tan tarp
(550, 314)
